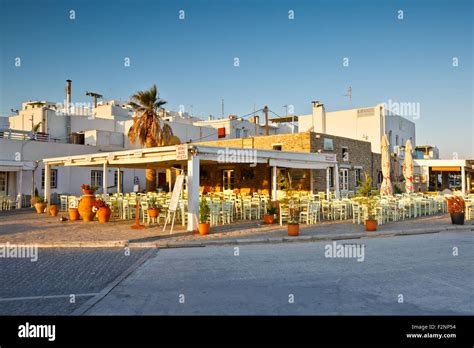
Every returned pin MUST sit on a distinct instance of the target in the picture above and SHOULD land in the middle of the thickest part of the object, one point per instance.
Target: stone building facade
(354, 157)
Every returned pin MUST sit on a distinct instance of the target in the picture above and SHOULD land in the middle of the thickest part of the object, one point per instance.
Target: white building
(368, 124)
(43, 129)
(236, 127)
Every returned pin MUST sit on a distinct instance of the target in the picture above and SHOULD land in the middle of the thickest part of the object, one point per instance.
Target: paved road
(262, 278)
(57, 274)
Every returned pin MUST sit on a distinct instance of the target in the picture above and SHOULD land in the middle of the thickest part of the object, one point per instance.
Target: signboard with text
(178, 186)
(182, 152)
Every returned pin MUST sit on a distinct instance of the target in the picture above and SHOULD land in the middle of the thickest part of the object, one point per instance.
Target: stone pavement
(26, 227)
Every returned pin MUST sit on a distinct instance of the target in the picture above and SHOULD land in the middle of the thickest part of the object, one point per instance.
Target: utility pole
(265, 110)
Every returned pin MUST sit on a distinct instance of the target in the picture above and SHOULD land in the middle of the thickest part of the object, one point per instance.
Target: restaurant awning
(192, 156)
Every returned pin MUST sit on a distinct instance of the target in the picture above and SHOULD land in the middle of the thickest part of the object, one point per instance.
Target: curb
(85, 307)
(100, 244)
(237, 241)
(302, 239)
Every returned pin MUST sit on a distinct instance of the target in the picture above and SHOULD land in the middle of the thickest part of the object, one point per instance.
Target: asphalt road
(402, 275)
(44, 287)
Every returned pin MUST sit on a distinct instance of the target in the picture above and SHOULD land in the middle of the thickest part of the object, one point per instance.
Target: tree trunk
(150, 174)
(150, 180)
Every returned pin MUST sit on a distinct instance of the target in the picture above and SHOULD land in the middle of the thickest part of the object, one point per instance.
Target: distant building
(440, 174)
(426, 152)
(367, 124)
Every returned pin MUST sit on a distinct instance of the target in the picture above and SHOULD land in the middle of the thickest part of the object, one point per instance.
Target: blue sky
(282, 61)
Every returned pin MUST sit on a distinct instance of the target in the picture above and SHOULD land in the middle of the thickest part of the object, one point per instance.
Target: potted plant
(153, 207)
(73, 214)
(456, 208)
(86, 203)
(204, 214)
(103, 210)
(88, 189)
(294, 221)
(53, 210)
(269, 217)
(367, 197)
(40, 204)
(293, 225)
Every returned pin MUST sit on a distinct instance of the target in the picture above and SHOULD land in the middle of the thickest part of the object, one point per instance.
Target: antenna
(349, 94)
(222, 115)
(94, 97)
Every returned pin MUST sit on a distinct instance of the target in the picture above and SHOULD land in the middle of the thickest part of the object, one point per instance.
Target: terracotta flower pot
(103, 214)
(371, 225)
(73, 214)
(269, 219)
(85, 207)
(40, 207)
(457, 218)
(204, 228)
(153, 212)
(293, 230)
(53, 210)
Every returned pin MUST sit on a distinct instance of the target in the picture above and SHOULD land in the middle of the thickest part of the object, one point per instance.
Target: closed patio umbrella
(408, 167)
(386, 188)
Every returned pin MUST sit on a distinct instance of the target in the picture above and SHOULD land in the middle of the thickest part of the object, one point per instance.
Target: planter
(85, 207)
(204, 228)
(269, 219)
(73, 214)
(457, 218)
(40, 207)
(103, 214)
(53, 210)
(371, 225)
(153, 213)
(293, 230)
(88, 192)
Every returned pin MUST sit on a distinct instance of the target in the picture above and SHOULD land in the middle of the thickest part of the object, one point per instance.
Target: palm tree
(148, 127)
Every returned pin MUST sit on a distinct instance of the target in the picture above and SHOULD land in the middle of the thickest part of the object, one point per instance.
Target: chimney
(68, 108)
(68, 93)
(319, 117)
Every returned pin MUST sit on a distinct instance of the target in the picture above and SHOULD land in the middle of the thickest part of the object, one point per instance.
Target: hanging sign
(182, 152)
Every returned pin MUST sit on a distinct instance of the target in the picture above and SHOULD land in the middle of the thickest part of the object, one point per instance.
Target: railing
(28, 135)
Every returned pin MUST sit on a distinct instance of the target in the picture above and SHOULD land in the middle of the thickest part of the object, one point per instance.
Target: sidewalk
(25, 227)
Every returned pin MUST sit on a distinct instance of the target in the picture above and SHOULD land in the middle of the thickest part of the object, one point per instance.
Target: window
(121, 179)
(396, 139)
(331, 176)
(344, 179)
(345, 154)
(53, 178)
(328, 144)
(237, 132)
(246, 133)
(358, 176)
(3, 183)
(228, 179)
(96, 178)
(221, 132)
(390, 137)
(276, 147)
